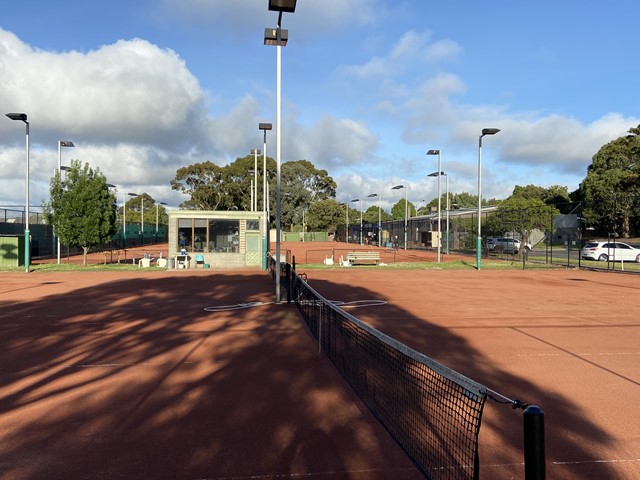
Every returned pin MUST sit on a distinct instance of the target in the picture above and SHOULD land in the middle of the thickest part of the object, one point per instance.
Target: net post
(534, 457)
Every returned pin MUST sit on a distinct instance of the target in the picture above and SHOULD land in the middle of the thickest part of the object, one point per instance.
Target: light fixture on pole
(485, 131)
(255, 153)
(142, 209)
(379, 215)
(437, 152)
(61, 143)
(265, 199)
(279, 38)
(27, 241)
(406, 208)
(359, 200)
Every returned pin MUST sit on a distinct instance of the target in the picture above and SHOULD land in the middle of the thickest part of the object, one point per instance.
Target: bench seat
(364, 257)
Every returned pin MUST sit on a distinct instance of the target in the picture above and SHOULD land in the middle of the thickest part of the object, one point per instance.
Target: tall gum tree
(611, 188)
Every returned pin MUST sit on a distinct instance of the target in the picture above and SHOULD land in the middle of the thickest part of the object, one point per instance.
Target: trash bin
(172, 262)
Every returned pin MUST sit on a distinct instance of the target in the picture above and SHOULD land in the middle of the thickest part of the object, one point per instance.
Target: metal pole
(380, 220)
(534, 454)
(360, 221)
(60, 175)
(124, 220)
(254, 207)
(27, 240)
(439, 205)
(406, 209)
(264, 199)
(278, 146)
(142, 221)
(479, 229)
(346, 235)
(447, 242)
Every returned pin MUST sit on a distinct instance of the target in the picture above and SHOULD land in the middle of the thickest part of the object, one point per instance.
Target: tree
(522, 215)
(612, 185)
(372, 214)
(325, 215)
(82, 209)
(398, 210)
(553, 195)
(203, 183)
(301, 185)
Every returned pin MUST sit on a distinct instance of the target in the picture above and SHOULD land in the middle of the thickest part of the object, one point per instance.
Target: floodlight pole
(359, 200)
(485, 131)
(265, 235)
(157, 217)
(27, 241)
(280, 6)
(446, 248)
(61, 143)
(437, 152)
(406, 208)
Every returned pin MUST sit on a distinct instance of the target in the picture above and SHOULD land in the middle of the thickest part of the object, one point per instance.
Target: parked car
(610, 251)
(503, 244)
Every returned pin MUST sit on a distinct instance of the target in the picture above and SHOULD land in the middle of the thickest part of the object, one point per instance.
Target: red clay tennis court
(126, 375)
(566, 340)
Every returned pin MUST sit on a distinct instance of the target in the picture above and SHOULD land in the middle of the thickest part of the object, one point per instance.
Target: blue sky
(143, 88)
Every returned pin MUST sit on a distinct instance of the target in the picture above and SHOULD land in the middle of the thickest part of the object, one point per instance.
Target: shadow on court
(125, 375)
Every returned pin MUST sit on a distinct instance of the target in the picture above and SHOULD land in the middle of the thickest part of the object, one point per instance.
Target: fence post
(534, 457)
(287, 281)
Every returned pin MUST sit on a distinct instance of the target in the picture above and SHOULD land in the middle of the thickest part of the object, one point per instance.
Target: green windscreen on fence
(432, 412)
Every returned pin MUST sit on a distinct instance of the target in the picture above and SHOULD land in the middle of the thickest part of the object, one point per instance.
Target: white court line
(338, 303)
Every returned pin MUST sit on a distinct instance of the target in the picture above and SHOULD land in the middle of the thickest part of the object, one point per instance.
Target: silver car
(503, 244)
(610, 251)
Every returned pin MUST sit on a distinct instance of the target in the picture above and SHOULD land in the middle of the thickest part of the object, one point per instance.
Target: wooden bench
(364, 257)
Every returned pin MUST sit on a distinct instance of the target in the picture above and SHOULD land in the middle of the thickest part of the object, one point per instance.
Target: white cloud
(129, 91)
(332, 143)
(413, 50)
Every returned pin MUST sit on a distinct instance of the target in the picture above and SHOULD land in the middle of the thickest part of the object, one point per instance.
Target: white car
(610, 251)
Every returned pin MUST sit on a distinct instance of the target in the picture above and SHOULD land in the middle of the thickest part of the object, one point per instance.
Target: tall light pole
(254, 204)
(346, 209)
(442, 174)
(437, 152)
(61, 143)
(279, 38)
(27, 242)
(265, 234)
(446, 247)
(485, 131)
(141, 211)
(379, 214)
(157, 217)
(124, 220)
(359, 200)
(406, 208)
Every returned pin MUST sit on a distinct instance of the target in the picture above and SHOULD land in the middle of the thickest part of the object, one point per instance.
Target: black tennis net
(432, 412)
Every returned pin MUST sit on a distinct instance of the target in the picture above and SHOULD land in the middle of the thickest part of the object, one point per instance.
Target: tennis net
(432, 412)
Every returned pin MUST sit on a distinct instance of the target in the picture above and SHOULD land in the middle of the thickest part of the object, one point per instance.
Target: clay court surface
(126, 375)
